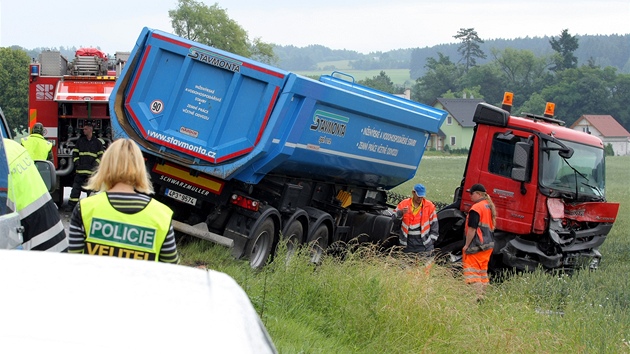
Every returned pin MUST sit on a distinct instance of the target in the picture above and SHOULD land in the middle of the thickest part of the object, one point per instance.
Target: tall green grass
(388, 303)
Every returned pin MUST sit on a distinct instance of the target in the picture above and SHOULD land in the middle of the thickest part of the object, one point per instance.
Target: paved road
(65, 219)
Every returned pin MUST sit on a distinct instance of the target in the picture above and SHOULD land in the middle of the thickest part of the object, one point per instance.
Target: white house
(606, 128)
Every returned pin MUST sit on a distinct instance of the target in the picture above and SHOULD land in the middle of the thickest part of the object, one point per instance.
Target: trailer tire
(260, 245)
(293, 238)
(318, 242)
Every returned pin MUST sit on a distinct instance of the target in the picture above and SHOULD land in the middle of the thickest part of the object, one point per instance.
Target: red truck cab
(548, 186)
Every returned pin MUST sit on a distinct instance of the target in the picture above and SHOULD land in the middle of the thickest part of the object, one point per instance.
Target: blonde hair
(493, 209)
(121, 162)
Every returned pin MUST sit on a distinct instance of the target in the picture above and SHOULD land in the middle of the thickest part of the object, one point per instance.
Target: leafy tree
(535, 105)
(489, 81)
(380, 82)
(564, 46)
(262, 51)
(14, 86)
(469, 48)
(580, 91)
(212, 26)
(442, 75)
(620, 94)
(464, 93)
(522, 72)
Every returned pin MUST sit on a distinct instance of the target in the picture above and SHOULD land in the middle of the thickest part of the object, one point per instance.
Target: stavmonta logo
(215, 59)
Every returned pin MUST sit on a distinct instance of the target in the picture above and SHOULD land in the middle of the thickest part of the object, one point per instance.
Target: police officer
(37, 146)
(29, 197)
(86, 156)
(123, 220)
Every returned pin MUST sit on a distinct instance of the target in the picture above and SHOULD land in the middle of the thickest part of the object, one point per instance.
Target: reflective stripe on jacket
(113, 233)
(29, 197)
(37, 146)
(483, 239)
(418, 230)
(87, 155)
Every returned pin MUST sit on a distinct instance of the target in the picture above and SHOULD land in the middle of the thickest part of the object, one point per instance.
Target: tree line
(467, 69)
(576, 90)
(535, 80)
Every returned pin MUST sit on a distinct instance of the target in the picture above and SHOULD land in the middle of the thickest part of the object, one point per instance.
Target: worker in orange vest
(419, 226)
(479, 243)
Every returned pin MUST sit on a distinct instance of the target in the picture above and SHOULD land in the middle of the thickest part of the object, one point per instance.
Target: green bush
(608, 150)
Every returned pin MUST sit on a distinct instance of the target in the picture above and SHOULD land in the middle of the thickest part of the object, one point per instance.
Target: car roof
(78, 303)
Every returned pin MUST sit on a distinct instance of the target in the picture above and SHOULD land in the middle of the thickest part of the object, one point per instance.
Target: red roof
(607, 125)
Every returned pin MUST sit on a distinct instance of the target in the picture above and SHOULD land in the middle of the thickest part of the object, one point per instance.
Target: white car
(72, 303)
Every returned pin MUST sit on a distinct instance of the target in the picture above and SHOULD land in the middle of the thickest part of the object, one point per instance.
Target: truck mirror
(522, 155)
(49, 174)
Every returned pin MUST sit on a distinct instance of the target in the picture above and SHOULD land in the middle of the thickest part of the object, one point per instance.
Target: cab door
(509, 178)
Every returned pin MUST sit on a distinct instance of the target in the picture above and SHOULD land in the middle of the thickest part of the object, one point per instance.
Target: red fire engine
(64, 94)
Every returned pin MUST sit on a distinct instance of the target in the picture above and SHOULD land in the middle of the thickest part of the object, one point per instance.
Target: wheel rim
(293, 239)
(261, 247)
(257, 256)
(318, 244)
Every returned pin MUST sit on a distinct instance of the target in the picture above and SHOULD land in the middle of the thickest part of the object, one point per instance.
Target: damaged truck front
(547, 182)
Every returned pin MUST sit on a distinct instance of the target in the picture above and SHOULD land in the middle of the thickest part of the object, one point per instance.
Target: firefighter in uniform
(29, 197)
(86, 156)
(479, 239)
(123, 220)
(419, 224)
(37, 146)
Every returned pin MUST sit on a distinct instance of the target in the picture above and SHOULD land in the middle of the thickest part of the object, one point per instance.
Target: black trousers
(77, 188)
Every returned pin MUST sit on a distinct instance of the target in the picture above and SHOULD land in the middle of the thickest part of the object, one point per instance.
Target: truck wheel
(293, 237)
(318, 242)
(260, 245)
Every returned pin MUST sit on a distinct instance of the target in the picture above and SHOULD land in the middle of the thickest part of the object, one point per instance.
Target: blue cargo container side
(234, 118)
(355, 136)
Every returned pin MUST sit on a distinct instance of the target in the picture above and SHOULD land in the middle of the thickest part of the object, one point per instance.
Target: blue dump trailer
(249, 155)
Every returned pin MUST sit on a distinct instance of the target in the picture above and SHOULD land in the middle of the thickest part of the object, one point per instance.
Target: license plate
(181, 197)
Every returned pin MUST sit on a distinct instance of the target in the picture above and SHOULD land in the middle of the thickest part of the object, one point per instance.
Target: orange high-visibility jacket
(483, 239)
(420, 229)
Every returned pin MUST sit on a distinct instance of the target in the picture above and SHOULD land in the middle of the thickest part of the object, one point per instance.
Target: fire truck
(64, 94)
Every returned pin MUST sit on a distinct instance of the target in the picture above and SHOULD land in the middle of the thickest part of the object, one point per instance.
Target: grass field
(374, 303)
(398, 76)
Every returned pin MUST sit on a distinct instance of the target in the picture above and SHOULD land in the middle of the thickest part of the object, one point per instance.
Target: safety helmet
(38, 128)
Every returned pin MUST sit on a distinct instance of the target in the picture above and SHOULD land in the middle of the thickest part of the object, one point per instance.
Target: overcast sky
(361, 25)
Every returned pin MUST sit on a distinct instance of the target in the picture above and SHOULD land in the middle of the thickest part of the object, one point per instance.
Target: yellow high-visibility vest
(110, 232)
(37, 146)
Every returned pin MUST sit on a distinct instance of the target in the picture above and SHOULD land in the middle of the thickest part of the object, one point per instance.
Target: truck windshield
(583, 173)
